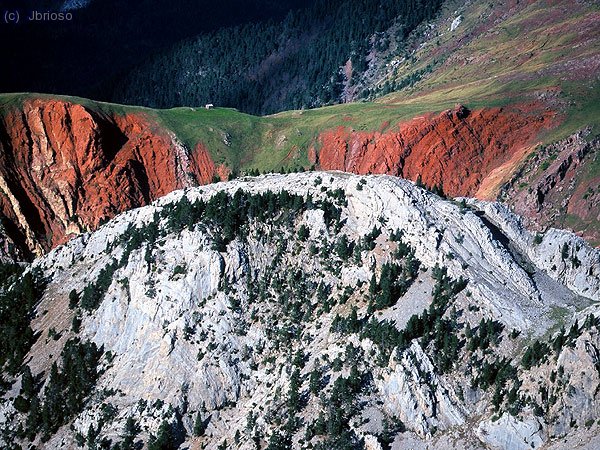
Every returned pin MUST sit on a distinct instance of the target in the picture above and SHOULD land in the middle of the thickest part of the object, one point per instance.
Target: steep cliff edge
(68, 165)
(66, 168)
(558, 187)
(458, 149)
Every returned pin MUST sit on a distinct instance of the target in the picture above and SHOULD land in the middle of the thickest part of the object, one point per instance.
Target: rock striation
(66, 168)
(256, 336)
(456, 149)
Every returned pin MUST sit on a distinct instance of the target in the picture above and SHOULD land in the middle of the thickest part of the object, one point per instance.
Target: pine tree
(199, 425)
(130, 431)
(165, 439)
(419, 182)
(373, 285)
(343, 248)
(294, 391)
(27, 383)
(353, 323)
(73, 299)
(303, 232)
(314, 383)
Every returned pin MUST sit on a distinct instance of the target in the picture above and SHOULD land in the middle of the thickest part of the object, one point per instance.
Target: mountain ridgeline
(305, 311)
(303, 61)
(316, 279)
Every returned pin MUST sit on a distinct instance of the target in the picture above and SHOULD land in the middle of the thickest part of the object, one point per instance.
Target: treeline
(271, 66)
(226, 216)
(232, 213)
(66, 390)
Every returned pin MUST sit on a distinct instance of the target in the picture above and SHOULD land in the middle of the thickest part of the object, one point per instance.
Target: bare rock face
(426, 406)
(558, 187)
(256, 335)
(456, 149)
(557, 252)
(203, 166)
(9, 252)
(508, 432)
(581, 362)
(65, 169)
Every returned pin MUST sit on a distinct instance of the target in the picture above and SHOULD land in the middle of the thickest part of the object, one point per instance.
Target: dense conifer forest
(106, 38)
(261, 68)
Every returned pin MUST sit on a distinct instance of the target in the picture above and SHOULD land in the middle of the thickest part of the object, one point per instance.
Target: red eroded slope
(457, 148)
(65, 168)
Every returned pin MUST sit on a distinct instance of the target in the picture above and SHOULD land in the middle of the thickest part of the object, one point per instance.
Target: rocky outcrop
(204, 167)
(425, 406)
(456, 149)
(557, 252)
(197, 329)
(558, 187)
(66, 168)
(508, 432)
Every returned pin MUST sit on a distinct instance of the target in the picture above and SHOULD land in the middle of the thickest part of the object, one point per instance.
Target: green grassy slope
(505, 52)
(251, 142)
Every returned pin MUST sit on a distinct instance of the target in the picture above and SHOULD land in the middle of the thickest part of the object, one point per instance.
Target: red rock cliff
(65, 169)
(457, 148)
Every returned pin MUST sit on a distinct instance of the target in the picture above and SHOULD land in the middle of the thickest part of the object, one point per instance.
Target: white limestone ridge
(182, 326)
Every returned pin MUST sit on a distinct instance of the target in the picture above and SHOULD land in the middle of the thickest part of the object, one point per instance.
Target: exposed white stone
(455, 23)
(509, 433)
(420, 405)
(146, 316)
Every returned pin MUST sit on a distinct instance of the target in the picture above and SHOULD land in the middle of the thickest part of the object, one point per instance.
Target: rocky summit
(317, 310)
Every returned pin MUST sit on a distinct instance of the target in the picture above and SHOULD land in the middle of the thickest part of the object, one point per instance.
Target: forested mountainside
(106, 38)
(303, 61)
(316, 310)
